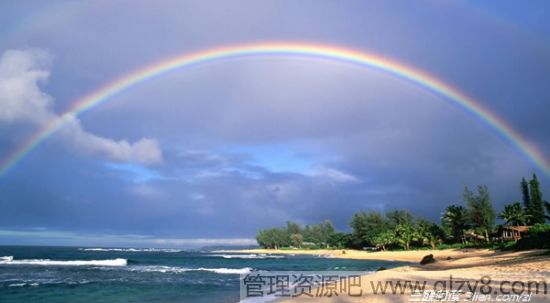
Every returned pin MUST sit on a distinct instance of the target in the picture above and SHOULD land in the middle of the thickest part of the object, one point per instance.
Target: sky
(207, 155)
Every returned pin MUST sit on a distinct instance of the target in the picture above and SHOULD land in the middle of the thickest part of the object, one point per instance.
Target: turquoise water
(71, 274)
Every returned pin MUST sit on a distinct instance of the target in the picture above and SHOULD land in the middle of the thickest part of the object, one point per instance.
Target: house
(513, 233)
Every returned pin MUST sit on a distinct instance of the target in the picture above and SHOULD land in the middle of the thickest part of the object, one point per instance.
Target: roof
(521, 228)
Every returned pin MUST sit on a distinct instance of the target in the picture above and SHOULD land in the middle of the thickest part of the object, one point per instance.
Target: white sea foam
(177, 270)
(249, 256)
(6, 258)
(48, 262)
(235, 271)
(158, 268)
(169, 250)
(52, 281)
(23, 284)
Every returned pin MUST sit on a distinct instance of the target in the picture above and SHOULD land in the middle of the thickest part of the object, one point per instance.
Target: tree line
(470, 223)
(294, 235)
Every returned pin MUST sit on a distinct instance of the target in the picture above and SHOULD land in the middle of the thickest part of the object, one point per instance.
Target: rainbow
(392, 67)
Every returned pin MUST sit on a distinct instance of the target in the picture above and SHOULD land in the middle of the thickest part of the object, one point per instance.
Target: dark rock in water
(427, 259)
(381, 268)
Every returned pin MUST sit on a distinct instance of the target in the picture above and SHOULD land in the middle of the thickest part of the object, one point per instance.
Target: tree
(514, 214)
(313, 233)
(455, 221)
(318, 233)
(327, 230)
(296, 240)
(366, 226)
(307, 233)
(266, 238)
(261, 238)
(398, 217)
(340, 240)
(273, 238)
(525, 194)
(384, 239)
(404, 234)
(536, 210)
(430, 233)
(281, 238)
(480, 210)
(293, 228)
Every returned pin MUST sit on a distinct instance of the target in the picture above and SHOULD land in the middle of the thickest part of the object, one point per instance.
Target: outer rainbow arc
(413, 75)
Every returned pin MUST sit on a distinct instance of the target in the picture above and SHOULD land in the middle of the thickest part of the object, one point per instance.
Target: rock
(449, 258)
(427, 259)
(381, 268)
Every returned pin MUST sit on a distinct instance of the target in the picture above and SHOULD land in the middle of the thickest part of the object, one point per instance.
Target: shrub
(537, 237)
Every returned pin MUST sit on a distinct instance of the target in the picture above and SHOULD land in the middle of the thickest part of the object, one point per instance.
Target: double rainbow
(416, 76)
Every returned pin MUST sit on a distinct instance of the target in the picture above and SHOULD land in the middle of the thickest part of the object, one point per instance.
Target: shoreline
(465, 264)
(446, 259)
(413, 256)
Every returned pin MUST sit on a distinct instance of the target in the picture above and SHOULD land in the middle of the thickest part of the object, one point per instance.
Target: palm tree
(384, 239)
(405, 233)
(514, 214)
(429, 233)
(455, 221)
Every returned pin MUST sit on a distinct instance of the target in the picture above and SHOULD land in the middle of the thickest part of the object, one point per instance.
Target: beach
(504, 272)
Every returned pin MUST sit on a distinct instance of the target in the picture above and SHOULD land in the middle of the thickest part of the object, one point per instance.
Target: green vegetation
(366, 227)
(480, 210)
(536, 205)
(430, 233)
(311, 236)
(472, 225)
(514, 214)
(538, 237)
(455, 222)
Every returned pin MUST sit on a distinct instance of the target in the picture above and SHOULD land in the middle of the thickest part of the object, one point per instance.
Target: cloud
(44, 235)
(205, 242)
(144, 151)
(22, 101)
(332, 174)
(135, 173)
(299, 119)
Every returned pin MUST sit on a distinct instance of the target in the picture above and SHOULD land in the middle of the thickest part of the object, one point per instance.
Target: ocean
(72, 274)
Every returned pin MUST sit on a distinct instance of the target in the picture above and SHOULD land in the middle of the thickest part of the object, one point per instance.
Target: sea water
(80, 274)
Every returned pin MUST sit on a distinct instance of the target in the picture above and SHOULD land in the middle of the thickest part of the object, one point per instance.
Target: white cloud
(332, 173)
(22, 100)
(43, 235)
(143, 151)
(204, 242)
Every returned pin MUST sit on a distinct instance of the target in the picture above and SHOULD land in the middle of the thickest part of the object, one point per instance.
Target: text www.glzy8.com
(276, 285)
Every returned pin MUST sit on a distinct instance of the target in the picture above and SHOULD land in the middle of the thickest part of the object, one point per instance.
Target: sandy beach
(507, 271)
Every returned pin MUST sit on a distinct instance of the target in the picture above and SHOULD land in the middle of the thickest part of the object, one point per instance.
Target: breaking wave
(174, 269)
(169, 250)
(249, 256)
(47, 262)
